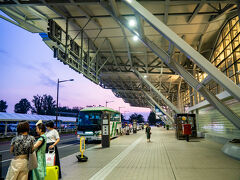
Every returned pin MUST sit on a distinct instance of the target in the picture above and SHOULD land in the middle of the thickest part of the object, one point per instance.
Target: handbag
(50, 158)
(32, 161)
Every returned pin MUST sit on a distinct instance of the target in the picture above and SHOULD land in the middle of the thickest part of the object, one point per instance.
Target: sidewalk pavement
(131, 157)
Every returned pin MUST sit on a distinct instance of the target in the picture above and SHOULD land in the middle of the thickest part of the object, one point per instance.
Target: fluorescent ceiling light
(135, 38)
(130, 1)
(132, 23)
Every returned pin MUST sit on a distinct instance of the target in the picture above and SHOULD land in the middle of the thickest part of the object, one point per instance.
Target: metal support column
(154, 102)
(168, 103)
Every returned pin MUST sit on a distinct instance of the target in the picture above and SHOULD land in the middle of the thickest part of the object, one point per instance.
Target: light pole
(108, 102)
(58, 82)
(119, 108)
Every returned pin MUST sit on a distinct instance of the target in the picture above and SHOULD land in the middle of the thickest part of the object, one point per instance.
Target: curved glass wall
(226, 56)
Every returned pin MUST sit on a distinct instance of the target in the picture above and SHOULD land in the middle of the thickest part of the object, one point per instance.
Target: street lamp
(120, 108)
(108, 102)
(58, 82)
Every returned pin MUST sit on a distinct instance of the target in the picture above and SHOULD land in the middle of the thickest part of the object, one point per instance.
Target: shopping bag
(50, 158)
(32, 161)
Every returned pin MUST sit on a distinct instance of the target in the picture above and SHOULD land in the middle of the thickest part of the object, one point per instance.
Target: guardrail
(12, 134)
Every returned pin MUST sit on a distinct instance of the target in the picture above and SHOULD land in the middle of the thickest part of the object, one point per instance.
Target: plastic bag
(50, 158)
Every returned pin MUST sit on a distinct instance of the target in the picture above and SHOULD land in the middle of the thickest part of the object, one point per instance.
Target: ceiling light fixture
(132, 23)
(135, 38)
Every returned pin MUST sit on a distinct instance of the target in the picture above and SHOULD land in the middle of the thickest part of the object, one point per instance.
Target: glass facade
(226, 57)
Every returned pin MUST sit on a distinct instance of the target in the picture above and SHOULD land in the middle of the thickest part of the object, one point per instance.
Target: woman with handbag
(40, 146)
(21, 145)
(53, 139)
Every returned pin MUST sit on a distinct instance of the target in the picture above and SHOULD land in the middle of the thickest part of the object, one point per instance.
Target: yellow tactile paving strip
(164, 158)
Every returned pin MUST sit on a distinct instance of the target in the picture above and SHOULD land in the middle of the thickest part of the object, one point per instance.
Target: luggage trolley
(182, 120)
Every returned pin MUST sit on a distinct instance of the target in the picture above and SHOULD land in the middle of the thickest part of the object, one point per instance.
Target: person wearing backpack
(40, 147)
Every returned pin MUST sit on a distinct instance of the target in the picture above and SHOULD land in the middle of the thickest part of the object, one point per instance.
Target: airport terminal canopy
(147, 52)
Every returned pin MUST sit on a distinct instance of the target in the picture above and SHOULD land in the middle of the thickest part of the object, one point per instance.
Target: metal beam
(238, 11)
(86, 14)
(165, 20)
(28, 25)
(227, 112)
(190, 52)
(226, 9)
(168, 103)
(154, 102)
(93, 2)
(113, 55)
(196, 11)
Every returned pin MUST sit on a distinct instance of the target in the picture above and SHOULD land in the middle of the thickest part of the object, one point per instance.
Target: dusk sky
(28, 68)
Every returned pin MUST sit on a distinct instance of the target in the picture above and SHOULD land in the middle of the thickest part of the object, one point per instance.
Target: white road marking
(106, 170)
(66, 146)
(6, 160)
(5, 150)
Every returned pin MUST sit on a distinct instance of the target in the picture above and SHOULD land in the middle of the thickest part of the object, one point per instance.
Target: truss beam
(174, 65)
(190, 52)
(168, 103)
(154, 102)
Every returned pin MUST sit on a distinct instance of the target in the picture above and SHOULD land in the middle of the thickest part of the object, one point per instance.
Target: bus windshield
(89, 121)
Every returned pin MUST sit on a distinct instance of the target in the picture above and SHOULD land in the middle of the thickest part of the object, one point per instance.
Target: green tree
(152, 118)
(122, 117)
(140, 118)
(44, 105)
(48, 105)
(132, 117)
(3, 106)
(66, 111)
(23, 106)
(37, 104)
(136, 116)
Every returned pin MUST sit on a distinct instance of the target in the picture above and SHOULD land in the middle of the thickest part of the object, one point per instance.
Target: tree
(122, 118)
(3, 106)
(132, 117)
(66, 111)
(23, 106)
(44, 105)
(136, 116)
(48, 105)
(140, 118)
(152, 118)
(37, 104)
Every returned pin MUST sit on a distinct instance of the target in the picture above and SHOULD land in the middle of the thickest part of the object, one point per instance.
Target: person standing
(21, 146)
(53, 139)
(148, 132)
(40, 146)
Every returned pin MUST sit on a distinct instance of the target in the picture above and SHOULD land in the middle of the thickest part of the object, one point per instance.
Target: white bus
(90, 119)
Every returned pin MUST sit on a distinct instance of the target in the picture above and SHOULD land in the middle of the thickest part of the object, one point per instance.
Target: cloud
(28, 66)
(47, 81)
(3, 51)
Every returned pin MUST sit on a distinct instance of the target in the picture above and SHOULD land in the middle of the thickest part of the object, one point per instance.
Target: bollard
(81, 157)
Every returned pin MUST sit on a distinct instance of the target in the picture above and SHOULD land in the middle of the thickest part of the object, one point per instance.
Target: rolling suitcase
(52, 173)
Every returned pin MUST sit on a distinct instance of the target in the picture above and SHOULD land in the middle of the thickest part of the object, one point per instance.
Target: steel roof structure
(174, 39)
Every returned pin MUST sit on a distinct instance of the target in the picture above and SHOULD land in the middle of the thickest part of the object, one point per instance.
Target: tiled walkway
(165, 158)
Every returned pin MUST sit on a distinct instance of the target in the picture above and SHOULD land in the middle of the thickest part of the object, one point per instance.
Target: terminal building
(181, 56)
